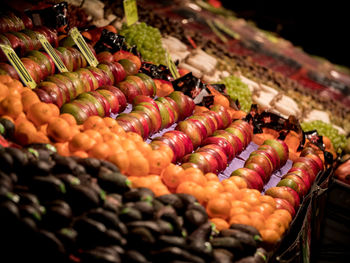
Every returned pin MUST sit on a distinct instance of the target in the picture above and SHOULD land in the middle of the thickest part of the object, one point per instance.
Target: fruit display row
(102, 102)
(26, 40)
(10, 22)
(150, 116)
(40, 65)
(220, 148)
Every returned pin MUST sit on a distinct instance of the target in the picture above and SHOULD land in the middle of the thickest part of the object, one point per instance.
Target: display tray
(332, 242)
(297, 245)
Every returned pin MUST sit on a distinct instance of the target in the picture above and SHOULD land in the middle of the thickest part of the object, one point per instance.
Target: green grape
(148, 41)
(238, 90)
(326, 129)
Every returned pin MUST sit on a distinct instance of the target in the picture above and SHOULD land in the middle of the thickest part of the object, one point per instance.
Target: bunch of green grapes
(147, 40)
(326, 129)
(238, 90)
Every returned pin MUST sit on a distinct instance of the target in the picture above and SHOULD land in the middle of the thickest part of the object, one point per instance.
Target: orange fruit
(220, 224)
(238, 211)
(20, 118)
(264, 209)
(15, 84)
(251, 199)
(257, 220)
(218, 207)
(275, 224)
(43, 128)
(110, 136)
(11, 106)
(239, 203)
(254, 214)
(227, 195)
(140, 181)
(191, 188)
(62, 148)
(103, 130)
(239, 182)
(134, 137)
(283, 213)
(212, 177)
(211, 192)
(15, 92)
(128, 145)
(167, 150)
(270, 236)
(138, 165)
(25, 132)
(121, 160)
(81, 142)
(99, 151)
(114, 146)
(241, 219)
(59, 130)
(68, 118)
(28, 98)
(40, 137)
(268, 200)
(249, 192)
(154, 178)
(229, 186)
(118, 130)
(4, 79)
(39, 113)
(4, 91)
(194, 175)
(109, 122)
(172, 175)
(94, 122)
(216, 185)
(144, 148)
(81, 154)
(221, 100)
(157, 161)
(159, 189)
(283, 216)
(55, 111)
(94, 135)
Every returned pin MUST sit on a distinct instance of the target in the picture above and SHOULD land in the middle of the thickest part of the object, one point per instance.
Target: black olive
(109, 219)
(194, 218)
(129, 214)
(138, 194)
(20, 159)
(48, 187)
(114, 182)
(109, 166)
(172, 200)
(133, 256)
(81, 198)
(68, 237)
(174, 253)
(6, 162)
(92, 165)
(223, 256)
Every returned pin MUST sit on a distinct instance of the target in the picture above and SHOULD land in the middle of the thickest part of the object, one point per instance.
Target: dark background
(320, 27)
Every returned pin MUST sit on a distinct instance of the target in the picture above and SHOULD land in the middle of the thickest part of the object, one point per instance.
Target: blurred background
(319, 27)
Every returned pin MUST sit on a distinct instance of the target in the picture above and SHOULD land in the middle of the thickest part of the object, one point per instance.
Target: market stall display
(213, 158)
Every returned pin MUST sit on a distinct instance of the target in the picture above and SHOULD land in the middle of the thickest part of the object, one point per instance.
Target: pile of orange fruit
(226, 202)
